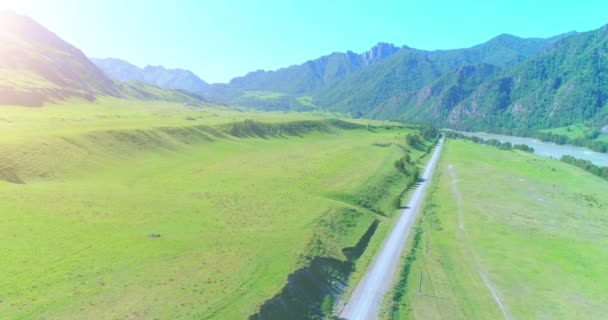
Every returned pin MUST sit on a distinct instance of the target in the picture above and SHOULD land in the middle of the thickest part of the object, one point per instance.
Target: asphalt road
(364, 303)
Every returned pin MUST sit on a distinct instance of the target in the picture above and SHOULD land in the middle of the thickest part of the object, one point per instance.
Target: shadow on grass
(311, 291)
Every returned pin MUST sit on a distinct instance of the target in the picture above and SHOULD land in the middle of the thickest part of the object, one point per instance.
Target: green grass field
(82, 186)
(534, 228)
(577, 131)
(264, 95)
(573, 132)
(306, 101)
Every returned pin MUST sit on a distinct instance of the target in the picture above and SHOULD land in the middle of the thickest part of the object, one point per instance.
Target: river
(547, 149)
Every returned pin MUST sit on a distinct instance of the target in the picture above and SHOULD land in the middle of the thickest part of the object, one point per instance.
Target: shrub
(412, 139)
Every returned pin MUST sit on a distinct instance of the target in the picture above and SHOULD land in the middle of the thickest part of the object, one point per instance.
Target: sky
(219, 40)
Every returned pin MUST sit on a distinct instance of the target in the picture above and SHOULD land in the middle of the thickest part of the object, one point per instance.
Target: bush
(506, 146)
(407, 158)
(429, 133)
(412, 139)
(524, 148)
(399, 165)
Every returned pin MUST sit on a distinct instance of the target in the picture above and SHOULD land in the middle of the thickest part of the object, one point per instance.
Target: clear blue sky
(222, 39)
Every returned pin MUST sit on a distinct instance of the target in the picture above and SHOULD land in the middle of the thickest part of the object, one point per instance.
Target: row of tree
(426, 133)
(492, 142)
(584, 164)
(588, 140)
(406, 164)
(587, 165)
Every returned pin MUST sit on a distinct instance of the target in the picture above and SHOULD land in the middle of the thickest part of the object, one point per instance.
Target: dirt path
(457, 196)
(482, 274)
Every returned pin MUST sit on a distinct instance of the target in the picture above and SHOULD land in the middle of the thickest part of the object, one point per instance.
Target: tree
(506, 146)
(429, 132)
(399, 165)
(407, 158)
(412, 139)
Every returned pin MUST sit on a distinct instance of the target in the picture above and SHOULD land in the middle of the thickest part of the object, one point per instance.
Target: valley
(355, 185)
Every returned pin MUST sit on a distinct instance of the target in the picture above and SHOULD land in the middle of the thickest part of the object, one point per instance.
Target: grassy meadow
(83, 187)
(572, 132)
(579, 131)
(512, 229)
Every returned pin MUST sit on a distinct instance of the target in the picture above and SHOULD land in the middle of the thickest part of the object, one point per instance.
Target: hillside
(410, 70)
(566, 84)
(436, 100)
(290, 88)
(313, 74)
(361, 83)
(507, 83)
(37, 66)
(503, 51)
(172, 79)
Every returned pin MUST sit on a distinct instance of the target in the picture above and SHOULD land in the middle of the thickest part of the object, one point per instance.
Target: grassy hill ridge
(239, 202)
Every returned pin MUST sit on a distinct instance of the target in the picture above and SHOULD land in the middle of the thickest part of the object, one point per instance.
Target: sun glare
(7, 5)
(19, 6)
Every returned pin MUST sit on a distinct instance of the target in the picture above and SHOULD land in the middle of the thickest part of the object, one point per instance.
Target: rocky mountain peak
(379, 52)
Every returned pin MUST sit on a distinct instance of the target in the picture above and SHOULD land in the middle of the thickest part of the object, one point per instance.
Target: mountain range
(506, 82)
(173, 79)
(567, 83)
